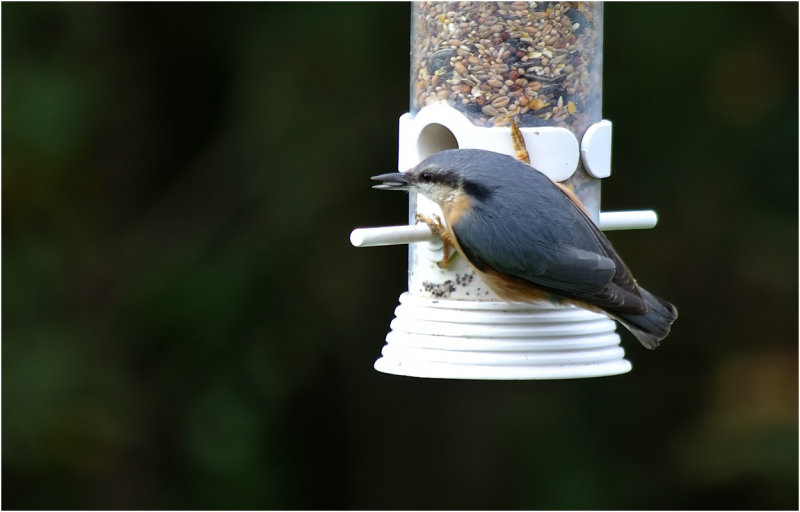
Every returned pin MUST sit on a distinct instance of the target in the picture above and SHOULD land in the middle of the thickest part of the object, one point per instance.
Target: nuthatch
(530, 239)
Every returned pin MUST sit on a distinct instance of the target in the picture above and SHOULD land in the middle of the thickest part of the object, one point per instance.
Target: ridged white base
(452, 339)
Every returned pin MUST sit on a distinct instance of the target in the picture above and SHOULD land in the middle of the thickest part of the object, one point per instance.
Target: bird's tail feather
(653, 326)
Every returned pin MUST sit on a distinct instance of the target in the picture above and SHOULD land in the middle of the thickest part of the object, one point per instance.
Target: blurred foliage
(185, 324)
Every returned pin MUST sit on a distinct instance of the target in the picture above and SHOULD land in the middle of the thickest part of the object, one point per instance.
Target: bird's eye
(426, 176)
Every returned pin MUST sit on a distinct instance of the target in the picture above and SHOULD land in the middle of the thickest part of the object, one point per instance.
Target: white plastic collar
(554, 151)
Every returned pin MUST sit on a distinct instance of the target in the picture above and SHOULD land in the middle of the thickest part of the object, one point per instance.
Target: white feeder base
(452, 339)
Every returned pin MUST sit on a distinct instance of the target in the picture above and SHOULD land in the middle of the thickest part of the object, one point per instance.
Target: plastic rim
(499, 341)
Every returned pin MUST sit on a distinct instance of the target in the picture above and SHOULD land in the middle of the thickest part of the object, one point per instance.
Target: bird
(530, 239)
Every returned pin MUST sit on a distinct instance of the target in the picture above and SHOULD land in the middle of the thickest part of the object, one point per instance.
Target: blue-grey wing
(552, 244)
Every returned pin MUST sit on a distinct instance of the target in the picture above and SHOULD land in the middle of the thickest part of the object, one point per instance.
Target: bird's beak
(392, 181)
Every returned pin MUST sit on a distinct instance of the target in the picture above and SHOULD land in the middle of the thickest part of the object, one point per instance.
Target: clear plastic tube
(539, 63)
(535, 62)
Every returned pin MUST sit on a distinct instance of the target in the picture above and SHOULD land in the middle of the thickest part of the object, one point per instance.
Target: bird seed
(476, 56)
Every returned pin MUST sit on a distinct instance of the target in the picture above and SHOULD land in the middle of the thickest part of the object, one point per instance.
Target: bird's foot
(438, 229)
(519, 143)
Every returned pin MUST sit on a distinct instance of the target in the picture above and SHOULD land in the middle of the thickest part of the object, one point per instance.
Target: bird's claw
(519, 143)
(434, 222)
(438, 229)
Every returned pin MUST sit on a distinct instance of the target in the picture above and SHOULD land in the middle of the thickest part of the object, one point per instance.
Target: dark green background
(185, 324)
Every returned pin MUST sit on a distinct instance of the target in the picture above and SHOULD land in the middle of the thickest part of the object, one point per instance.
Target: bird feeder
(473, 70)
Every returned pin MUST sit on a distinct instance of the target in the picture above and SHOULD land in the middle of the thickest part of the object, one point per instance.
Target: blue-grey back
(520, 198)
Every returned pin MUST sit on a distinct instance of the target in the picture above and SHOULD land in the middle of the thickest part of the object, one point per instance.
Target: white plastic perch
(396, 235)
